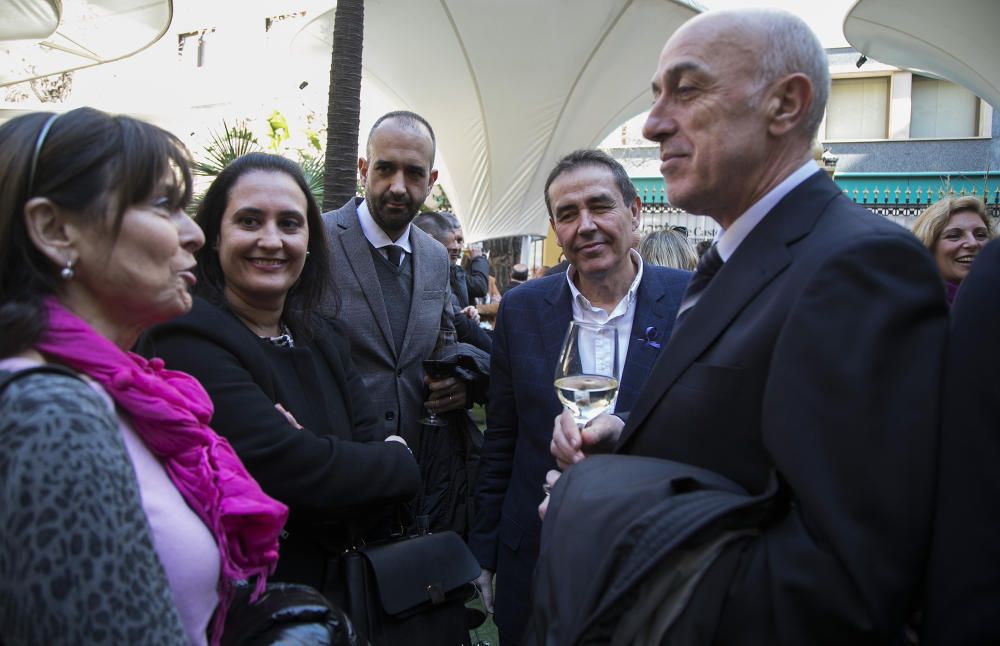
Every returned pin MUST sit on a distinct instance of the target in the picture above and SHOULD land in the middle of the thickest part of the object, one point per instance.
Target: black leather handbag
(411, 590)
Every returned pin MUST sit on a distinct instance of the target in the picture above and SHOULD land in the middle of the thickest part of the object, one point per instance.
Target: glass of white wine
(587, 375)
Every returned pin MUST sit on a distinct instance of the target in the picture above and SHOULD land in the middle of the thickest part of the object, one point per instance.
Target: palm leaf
(224, 147)
(312, 168)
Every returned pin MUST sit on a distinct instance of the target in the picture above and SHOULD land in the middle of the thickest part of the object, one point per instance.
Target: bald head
(404, 119)
(737, 99)
(776, 43)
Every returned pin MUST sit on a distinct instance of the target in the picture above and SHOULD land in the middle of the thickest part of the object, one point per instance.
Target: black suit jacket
(471, 284)
(334, 470)
(477, 277)
(963, 585)
(531, 327)
(816, 351)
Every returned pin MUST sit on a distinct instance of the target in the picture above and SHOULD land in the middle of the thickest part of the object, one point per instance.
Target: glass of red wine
(438, 368)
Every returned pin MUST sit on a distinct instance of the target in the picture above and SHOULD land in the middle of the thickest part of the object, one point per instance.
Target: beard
(392, 215)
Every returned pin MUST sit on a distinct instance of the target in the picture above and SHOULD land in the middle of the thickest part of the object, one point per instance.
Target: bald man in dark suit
(809, 345)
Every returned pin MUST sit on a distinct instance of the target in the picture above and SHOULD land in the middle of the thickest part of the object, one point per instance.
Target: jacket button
(389, 415)
(399, 373)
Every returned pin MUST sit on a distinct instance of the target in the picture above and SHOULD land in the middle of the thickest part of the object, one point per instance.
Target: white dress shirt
(728, 240)
(377, 237)
(621, 318)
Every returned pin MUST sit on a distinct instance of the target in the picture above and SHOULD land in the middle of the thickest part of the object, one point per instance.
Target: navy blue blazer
(960, 608)
(531, 325)
(817, 352)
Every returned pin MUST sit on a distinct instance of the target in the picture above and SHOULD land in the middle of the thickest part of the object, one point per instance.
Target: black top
(469, 284)
(335, 469)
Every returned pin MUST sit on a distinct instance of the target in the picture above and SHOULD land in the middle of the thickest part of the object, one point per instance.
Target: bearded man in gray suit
(390, 280)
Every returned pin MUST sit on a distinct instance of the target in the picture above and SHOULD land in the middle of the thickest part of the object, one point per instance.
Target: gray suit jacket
(395, 383)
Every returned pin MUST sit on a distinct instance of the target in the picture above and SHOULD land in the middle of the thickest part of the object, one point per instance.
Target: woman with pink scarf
(123, 517)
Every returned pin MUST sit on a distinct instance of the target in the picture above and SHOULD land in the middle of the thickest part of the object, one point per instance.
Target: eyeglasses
(679, 229)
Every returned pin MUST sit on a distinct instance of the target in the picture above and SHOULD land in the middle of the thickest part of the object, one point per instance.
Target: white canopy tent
(43, 37)
(509, 87)
(954, 40)
(28, 19)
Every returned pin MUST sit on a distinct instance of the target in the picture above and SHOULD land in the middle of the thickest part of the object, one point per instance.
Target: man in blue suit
(594, 211)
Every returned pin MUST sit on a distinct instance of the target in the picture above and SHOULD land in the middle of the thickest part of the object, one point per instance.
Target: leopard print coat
(77, 564)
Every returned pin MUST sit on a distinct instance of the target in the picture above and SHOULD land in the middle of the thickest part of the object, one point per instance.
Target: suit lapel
(757, 261)
(355, 247)
(555, 320)
(656, 308)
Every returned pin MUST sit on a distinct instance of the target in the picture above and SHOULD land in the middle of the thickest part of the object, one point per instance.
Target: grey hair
(790, 47)
(452, 219)
(434, 224)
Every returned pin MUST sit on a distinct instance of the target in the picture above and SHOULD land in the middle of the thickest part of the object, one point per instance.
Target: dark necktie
(395, 254)
(708, 266)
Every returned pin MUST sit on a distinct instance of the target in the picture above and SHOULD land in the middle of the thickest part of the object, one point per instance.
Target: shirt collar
(623, 304)
(374, 233)
(727, 240)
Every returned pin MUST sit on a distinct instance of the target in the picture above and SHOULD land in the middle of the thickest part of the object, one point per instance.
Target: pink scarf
(170, 412)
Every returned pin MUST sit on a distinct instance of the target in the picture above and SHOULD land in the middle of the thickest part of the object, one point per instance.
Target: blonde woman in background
(668, 248)
(954, 229)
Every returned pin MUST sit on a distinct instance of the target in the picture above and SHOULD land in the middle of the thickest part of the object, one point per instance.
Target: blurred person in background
(469, 267)
(518, 275)
(465, 319)
(954, 229)
(668, 248)
(490, 304)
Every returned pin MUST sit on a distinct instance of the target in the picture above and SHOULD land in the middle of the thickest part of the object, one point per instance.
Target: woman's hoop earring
(67, 271)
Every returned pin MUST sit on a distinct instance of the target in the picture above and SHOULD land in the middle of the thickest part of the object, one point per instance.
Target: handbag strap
(7, 377)
(403, 525)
